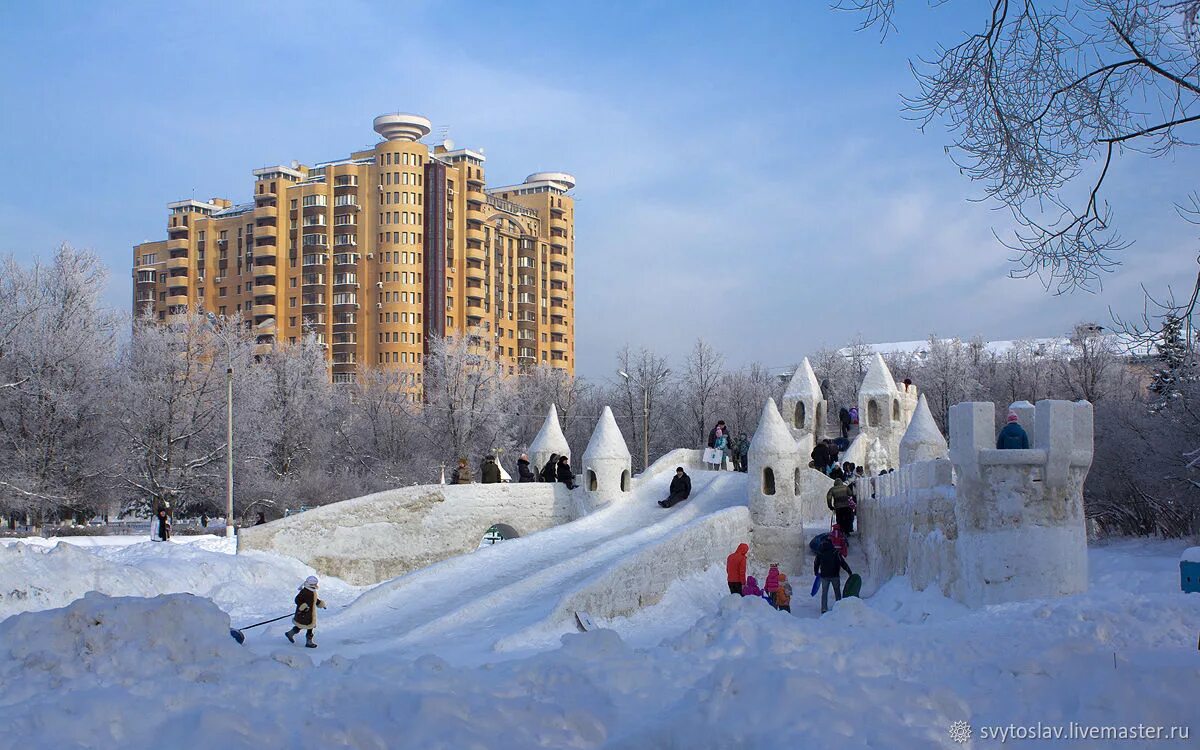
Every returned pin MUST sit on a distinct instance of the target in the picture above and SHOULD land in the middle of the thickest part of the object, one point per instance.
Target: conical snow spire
(922, 441)
(878, 378)
(550, 438)
(803, 384)
(772, 437)
(607, 440)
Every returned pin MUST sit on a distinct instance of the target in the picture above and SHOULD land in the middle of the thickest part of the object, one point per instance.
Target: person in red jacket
(735, 568)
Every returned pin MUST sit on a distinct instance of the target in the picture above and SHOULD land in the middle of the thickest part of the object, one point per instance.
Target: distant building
(377, 253)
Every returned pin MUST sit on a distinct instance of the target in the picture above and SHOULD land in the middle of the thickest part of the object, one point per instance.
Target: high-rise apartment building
(378, 253)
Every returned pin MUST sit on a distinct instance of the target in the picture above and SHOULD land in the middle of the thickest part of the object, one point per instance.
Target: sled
(816, 586)
(584, 622)
(853, 585)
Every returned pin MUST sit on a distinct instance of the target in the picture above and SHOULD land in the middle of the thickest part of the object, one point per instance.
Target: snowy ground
(698, 670)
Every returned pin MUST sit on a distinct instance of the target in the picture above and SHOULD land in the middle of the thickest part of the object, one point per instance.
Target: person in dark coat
(490, 472)
(844, 418)
(838, 500)
(829, 566)
(262, 518)
(524, 473)
(681, 487)
(461, 473)
(565, 475)
(550, 470)
(305, 618)
(820, 456)
(164, 525)
(1013, 436)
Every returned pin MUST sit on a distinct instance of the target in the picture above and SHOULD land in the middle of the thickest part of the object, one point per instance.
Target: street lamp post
(213, 321)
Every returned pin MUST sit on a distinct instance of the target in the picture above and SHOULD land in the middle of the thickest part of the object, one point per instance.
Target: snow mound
(121, 639)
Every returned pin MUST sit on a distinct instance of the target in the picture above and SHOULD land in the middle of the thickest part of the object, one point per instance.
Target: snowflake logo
(960, 731)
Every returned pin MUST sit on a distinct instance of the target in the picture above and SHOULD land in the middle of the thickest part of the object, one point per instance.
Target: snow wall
(377, 537)
(987, 526)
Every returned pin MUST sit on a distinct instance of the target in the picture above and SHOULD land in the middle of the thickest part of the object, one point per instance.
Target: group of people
(736, 450)
(827, 569)
(557, 469)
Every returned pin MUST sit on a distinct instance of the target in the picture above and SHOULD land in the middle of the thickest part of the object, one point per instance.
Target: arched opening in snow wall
(873, 413)
(591, 480)
(768, 481)
(798, 417)
(896, 410)
(625, 481)
(498, 532)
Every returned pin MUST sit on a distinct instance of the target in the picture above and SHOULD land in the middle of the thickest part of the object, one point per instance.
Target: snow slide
(518, 595)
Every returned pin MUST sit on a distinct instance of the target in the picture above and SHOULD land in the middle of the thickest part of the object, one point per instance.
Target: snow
(607, 440)
(251, 586)
(772, 438)
(878, 379)
(922, 441)
(549, 440)
(803, 385)
(700, 669)
(1191, 554)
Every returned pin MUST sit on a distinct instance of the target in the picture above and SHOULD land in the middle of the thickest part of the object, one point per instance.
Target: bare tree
(644, 388)
(698, 391)
(1042, 100)
(1089, 364)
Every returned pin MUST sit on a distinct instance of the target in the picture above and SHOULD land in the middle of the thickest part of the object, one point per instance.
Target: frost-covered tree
(170, 410)
(698, 390)
(948, 376)
(291, 419)
(467, 398)
(641, 395)
(1088, 366)
(742, 395)
(56, 344)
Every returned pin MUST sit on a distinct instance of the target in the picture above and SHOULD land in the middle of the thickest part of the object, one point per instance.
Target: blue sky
(745, 172)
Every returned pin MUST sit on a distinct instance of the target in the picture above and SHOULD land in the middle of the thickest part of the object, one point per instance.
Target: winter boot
(308, 641)
(291, 634)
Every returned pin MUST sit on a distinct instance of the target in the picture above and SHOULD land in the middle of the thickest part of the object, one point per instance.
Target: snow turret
(804, 406)
(549, 440)
(773, 472)
(922, 441)
(606, 461)
(879, 411)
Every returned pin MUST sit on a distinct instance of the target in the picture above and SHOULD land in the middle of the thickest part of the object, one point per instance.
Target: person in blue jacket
(1013, 436)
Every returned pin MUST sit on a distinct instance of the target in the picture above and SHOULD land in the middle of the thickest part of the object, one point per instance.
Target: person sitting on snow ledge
(306, 612)
(681, 487)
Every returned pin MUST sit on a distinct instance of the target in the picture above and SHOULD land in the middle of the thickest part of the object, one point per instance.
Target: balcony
(266, 251)
(314, 279)
(265, 195)
(264, 311)
(560, 242)
(180, 262)
(474, 235)
(261, 350)
(561, 329)
(559, 274)
(313, 300)
(558, 223)
(345, 259)
(316, 259)
(178, 229)
(265, 212)
(264, 290)
(264, 272)
(176, 300)
(476, 272)
(475, 307)
(266, 230)
(173, 245)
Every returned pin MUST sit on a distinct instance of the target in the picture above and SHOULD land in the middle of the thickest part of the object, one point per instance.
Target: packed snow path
(464, 607)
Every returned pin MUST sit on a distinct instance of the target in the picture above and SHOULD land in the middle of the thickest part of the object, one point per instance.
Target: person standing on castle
(565, 475)
(735, 568)
(829, 566)
(1013, 436)
(742, 454)
(719, 439)
(524, 473)
(844, 418)
(462, 473)
(550, 470)
(838, 500)
(489, 471)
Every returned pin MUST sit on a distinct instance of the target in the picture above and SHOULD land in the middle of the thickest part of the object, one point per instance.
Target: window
(798, 418)
(342, 200)
(314, 200)
(222, 291)
(319, 240)
(768, 481)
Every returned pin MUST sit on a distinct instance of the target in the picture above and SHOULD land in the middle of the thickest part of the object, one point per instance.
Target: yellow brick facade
(377, 253)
